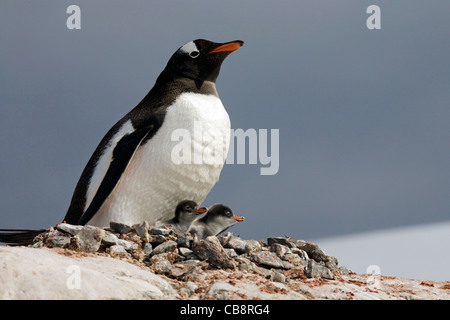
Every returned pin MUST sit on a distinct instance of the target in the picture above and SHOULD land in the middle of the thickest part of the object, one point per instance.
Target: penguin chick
(185, 213)
(217, 219)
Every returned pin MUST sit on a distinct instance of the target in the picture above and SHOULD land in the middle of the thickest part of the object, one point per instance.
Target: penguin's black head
(188, 210)
(200, 60)
(222, 212)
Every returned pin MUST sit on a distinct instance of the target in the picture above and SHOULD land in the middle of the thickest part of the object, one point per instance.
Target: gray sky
(363, 115)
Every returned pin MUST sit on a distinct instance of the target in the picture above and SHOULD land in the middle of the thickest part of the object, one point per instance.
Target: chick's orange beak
(201, 210)
(238, 218)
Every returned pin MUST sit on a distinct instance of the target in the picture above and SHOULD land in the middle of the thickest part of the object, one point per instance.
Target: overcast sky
(363, 115)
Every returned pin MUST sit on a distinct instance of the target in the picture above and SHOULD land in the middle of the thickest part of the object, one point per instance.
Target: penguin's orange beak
(229, 46)
(201, 210)
(238, 218)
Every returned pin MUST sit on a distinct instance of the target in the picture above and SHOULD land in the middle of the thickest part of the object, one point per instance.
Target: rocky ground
(145, 262)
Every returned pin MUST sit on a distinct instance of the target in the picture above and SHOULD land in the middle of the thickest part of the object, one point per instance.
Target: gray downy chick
(218, 218)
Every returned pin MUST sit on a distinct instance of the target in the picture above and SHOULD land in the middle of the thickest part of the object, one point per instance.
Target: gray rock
(109, 239)
(127, 245)
(147, 249)
(189, 288)
(294, 259)
(318, 255)
(185, 252)
(162, 266)
(231, 253)
(308, 247)
(167, 246)
(252, 246)
(237, 244)
(332, 264)
(120, 227)
(44, 274)
(244, 264)
(287, 241)
(301, 253)
(188, 270)
(75, 243)
(157, 239)
(118, 251)
(162, 263)
(266, 258)
(212, 251)
(69, 228)
(316, 270)
(266, 273)
(224, 238)
(142, 230)
(279, 249)
(58, 241)
(90, 238)
(185, 242)
(160, 231)
(279, 277)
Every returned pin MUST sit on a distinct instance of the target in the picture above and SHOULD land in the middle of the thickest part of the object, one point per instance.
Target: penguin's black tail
(19, 237)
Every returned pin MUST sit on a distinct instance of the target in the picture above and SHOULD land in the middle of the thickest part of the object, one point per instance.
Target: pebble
(244, 264)
(252, 246)
(162, 266)
(189, 288)
(157, 239)
(185, 252)
(286, 241)
(109, 239)
(118, 251)
(185, 242)
(279, 277)
(69, 228)
(212, 251)
(185, 258)
(148, 249)
(279, 249)
(237, 244)
(187, 269)
(316, 270)
(127, 245)
(160, 231)
(164, 247)
(294, 259)
(142, 230)
(267, 258)
(301, 253)
(231, 253)
(318, 255)
(225, 237)
(120, 227)
(266, 273)
(58, 241)
(90, 238)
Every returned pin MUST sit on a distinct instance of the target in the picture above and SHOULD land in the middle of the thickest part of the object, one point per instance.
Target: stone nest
(184, 257)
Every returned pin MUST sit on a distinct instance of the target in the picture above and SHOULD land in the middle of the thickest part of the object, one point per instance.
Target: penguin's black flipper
(122, 155)
(19, 237)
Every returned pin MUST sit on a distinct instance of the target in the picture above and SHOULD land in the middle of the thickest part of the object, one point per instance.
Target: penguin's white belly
(162, 172)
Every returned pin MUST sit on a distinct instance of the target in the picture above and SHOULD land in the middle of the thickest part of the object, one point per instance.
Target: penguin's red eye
(194, 54)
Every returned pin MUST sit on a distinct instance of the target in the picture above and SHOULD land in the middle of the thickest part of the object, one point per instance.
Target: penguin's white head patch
(191, 49)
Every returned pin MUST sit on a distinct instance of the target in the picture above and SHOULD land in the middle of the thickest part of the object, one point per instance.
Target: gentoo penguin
(135, 173)
(217, 219)
(185, 213)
